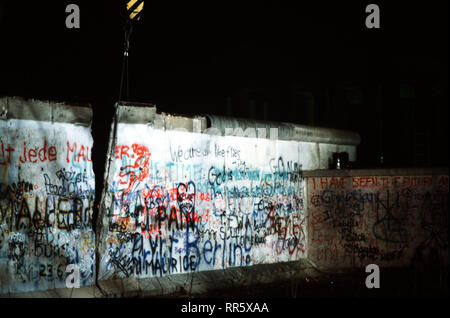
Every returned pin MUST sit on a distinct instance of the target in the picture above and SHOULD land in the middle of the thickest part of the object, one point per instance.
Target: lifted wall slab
(178, 201)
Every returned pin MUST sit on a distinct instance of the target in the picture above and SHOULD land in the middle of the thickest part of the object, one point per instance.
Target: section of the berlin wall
(46, 195)
(316, 144)
(178, 202)
(389, 220)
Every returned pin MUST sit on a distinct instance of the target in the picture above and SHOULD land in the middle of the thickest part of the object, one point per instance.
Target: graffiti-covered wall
(180, 202)
(390, 220)
(46, 195)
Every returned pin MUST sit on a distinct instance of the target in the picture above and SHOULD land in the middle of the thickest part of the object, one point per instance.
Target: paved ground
(263, 281)
(393, 283)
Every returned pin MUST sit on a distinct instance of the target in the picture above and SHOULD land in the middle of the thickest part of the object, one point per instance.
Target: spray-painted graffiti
(182, 202)
(46, 198)
(358, 220)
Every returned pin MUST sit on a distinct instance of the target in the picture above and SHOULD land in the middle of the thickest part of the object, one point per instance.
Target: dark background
(312, 63)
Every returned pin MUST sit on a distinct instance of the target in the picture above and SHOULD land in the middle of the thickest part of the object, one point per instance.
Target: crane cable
(125, 73)
(135, 10)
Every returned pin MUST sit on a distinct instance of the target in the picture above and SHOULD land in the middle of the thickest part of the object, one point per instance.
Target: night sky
(214, 57)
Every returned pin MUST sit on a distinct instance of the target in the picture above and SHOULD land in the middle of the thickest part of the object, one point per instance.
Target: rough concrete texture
(46, 195)
(146, 114)
(318, 144)
(390, 220)
(136, 114)
(288, 131)
(180, 123)
(195, 284)
(179, 202)
(187, 213)
(47, 111)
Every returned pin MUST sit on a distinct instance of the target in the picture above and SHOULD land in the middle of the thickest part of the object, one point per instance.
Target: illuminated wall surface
(46, 197)
(183, 201)
(178, 202)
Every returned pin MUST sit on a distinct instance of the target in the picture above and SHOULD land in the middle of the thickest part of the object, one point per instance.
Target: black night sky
(312, 63)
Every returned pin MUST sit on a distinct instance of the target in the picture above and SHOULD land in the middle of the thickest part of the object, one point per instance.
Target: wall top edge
(289, 131)
(43, 110)
(375, 172)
